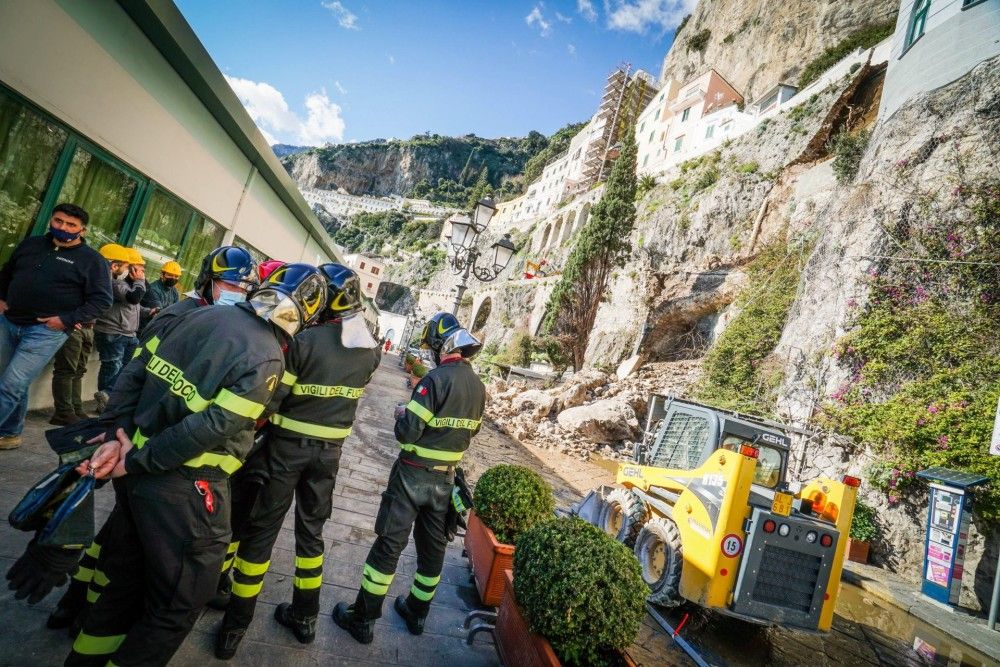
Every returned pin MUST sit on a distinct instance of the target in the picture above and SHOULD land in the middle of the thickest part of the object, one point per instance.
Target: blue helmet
(230, 264)
(343, 290)
(291, 298)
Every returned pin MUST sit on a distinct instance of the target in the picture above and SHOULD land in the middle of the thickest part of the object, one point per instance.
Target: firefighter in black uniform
(433, 430)
(332, 362)
(185, 411)
(227, 274)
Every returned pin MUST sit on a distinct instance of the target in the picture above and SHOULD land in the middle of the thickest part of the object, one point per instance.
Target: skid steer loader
(713, 520)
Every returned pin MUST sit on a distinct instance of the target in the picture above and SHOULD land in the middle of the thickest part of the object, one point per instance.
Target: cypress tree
(604, 244)
(481, 188)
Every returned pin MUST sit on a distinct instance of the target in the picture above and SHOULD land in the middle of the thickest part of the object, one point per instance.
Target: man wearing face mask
(114, 332)
(184, 414)
(227, 274)
(50, 286)
(160, 293)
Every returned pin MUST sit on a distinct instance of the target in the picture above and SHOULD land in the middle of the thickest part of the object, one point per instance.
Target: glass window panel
(681, 442)
(205, 236)
(29, 149)
(101, 190)
(161, 231)
(257, 255)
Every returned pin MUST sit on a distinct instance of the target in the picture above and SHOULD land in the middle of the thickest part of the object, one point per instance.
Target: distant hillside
(429, 166)
(281, 150)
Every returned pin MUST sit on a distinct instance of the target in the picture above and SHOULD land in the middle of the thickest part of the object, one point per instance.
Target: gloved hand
(40, 569)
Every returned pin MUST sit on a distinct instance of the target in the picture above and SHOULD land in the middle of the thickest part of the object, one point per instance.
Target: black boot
(414, 621)
(227, 641)
(73, 601)
(303, 628)
(223, 592)
(347, 618)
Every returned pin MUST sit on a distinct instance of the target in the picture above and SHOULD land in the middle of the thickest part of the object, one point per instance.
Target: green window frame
(685, 114)
(146, 189)
(918, 21)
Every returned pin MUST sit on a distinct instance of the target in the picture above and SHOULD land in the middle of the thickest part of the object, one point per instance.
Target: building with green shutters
(118, 108)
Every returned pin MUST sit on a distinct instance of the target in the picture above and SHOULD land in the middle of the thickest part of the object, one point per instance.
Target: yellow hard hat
(171, 268)
(135, 257)
(115, 253)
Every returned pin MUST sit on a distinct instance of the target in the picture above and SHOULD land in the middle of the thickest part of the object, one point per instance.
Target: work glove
(40, 569)
(458, 508)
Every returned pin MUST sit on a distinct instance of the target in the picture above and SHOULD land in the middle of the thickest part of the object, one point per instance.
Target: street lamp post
(467, 259)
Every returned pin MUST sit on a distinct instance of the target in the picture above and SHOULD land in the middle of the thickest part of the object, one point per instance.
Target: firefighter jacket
(191, 397)
(322, 383)
(444, 412)
(163, 318)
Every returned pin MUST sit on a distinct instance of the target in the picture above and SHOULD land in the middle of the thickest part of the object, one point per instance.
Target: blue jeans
(115, 351)
(24, 351)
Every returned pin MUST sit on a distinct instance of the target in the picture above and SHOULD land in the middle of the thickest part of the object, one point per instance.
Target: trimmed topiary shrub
(511, 499)
(580, 589)
(863, 525)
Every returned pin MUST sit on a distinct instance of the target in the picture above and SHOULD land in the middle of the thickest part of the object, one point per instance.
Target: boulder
(536, 402)
(601, 422)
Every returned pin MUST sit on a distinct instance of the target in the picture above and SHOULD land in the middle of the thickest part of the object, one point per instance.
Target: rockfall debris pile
(592, 412)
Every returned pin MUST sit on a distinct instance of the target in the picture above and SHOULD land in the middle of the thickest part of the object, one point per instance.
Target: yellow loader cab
(707, 508)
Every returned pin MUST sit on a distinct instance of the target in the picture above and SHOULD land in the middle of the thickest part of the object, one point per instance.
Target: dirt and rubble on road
(591, 413)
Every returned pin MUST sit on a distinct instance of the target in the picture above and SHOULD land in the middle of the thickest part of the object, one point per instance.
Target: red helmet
(267, 268)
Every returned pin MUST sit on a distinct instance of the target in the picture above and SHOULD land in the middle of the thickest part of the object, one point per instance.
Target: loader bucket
(592, 506)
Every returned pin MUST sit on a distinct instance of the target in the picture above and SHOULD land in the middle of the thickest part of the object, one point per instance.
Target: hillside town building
(370, 269)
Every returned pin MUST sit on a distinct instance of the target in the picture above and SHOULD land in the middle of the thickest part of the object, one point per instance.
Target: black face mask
(170, 282)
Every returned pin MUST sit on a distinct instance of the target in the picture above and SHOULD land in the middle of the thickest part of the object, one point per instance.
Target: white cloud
(392, 58)
(586, 9)
(345, 17)
(340, 88)
(279, 124)
(641, 15)
(561, 17)
(571, 49)
(535, 18)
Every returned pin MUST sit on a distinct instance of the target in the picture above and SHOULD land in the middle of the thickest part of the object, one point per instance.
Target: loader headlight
(811, 536)
(784, 529)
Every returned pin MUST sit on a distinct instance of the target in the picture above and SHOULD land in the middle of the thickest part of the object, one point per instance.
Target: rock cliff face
(395, 167)
(756, 45)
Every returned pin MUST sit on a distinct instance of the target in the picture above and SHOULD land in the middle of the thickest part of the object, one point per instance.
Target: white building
(118, 108)
(936, 42)
(345, 205)
(651, 130)
(370, 269)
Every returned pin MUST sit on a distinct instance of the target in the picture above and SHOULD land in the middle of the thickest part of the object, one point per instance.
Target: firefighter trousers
(169, 538)
(306, 470)
(416, 498)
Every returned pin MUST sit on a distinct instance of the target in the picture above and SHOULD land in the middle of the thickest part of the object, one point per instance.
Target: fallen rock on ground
(601, 422)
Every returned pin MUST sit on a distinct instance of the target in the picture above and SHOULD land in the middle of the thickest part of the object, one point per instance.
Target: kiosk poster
(947, 508)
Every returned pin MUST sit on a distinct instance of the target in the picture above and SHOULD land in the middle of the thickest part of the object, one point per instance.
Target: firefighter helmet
(291, 298)
(343, 290)
(232, 265)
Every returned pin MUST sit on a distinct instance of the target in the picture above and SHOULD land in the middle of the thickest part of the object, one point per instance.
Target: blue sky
(312, 71)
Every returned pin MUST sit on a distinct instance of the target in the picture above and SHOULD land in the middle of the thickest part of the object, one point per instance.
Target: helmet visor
(278, 309)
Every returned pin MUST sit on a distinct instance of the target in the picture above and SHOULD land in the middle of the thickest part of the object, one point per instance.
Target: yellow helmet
(171, 268)
(135, 257)
(115, 253)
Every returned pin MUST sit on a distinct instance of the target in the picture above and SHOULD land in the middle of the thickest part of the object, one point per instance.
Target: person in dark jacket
(160, 293)
(184, 409)
(115, 330)
(227, 268)
(434, 430)
(328, 365)
(50, 285)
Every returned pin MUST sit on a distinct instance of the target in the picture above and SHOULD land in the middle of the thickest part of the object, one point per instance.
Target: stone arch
(568, 226)
(582, 218)
(545, 237)
(554, 241)
(482, 314)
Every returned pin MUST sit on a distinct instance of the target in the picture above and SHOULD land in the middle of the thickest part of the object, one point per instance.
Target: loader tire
(623, 516)
(658, 550)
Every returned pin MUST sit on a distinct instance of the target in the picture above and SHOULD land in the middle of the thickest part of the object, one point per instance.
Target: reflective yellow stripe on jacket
(433, 454)
(227, 462)
(327, 391)
(441, 422)
(311, 430)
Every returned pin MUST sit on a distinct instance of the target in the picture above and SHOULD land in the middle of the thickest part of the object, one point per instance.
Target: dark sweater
(41, 280)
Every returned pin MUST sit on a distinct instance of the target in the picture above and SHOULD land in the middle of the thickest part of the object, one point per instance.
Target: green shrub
(864, 38)
(418, 370)
(646, 183)
(580, 589)
(863, 525)
(699, 40)
(511, 499)
(748, 168)
(705, 179)
(848, 149)
(518, 352)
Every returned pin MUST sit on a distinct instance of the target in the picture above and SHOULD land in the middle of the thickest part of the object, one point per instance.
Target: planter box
(489, 560)
(518, 645)
(857, 550)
